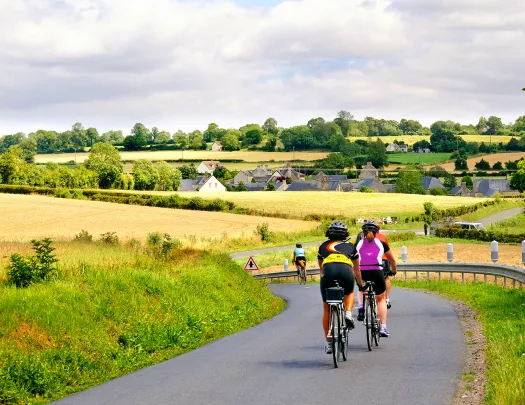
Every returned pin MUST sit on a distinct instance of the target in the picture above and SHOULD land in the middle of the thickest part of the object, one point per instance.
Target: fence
(516, 274)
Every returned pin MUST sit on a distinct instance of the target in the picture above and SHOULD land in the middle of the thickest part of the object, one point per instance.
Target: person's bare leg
(388, 287)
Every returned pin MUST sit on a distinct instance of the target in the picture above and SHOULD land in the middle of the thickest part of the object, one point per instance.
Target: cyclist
(299, 258)
(371, 250)
(336, 258)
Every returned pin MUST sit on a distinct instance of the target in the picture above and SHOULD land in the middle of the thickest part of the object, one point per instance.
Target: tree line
(317, 133)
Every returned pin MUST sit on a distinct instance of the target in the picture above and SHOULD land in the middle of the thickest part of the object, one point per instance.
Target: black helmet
(337, 231)
(298, 244)
(369, 226)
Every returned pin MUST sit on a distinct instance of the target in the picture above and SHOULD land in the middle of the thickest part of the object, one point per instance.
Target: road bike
(337, 329)
(371, 320)
(302, 271)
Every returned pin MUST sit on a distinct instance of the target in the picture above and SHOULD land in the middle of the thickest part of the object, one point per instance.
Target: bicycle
(302, 271)
(337, 329)
(371, 319)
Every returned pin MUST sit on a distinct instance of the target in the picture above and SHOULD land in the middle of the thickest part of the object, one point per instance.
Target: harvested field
(493, 158)
(192, 155)
(29, 217)
(355, 205)
(412, 139)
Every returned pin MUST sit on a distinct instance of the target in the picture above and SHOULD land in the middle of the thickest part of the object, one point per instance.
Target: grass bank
(115, 309)
(502, 315)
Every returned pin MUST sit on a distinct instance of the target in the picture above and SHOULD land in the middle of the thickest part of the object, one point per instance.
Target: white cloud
(111, 63)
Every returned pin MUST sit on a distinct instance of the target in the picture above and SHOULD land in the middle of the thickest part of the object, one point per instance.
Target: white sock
(383, 326)
(348, 314)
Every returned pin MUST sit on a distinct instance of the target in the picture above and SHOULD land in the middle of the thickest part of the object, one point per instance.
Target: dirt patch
(471, 387)
(26, 335)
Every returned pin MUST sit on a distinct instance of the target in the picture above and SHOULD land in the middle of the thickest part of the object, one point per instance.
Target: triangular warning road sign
(251, 265)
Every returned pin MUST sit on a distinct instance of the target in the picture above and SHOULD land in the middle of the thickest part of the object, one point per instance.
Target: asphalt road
(282, 361)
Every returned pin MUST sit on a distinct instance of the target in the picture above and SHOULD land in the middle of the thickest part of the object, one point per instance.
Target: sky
(182, 64)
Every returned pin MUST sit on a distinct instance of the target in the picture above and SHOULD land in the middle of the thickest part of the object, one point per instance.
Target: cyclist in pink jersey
(371, 251)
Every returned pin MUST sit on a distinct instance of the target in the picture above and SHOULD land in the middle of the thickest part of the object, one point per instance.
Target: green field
(413, 158)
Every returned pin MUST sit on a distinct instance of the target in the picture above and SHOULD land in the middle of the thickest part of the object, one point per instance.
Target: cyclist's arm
(357, 271)
(293, 260)
(392, 261)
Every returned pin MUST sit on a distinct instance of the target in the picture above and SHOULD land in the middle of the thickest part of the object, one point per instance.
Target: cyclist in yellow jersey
(338, 260)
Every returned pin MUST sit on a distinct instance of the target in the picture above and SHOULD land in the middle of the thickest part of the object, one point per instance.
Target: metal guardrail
(516, 274)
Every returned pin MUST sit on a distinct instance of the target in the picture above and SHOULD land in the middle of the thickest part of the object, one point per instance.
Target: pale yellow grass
(354, 205)
(412, 139)
(493, 158)
(33, 217)
(247, 156)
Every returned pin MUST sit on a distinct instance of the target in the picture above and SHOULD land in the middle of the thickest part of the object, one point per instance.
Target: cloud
(182, 64)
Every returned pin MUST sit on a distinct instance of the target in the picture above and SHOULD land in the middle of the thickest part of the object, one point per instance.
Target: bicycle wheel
(335, 336)
(344, 337)
(303, 276)
(369, 319)
(377, 325)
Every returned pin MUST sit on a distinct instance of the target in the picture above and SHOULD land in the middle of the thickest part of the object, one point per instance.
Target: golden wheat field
(355, 205)
(28, 217)
(493, 158)
(247, 156)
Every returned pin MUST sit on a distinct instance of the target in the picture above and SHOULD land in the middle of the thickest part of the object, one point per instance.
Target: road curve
(282, 361)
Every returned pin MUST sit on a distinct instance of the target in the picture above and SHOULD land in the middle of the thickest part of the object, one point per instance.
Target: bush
(400, 236)
(263, 231)
(24, 271)
(84, 237)
(473, 234)
(437, 191)
(109, 238)
(364, 189)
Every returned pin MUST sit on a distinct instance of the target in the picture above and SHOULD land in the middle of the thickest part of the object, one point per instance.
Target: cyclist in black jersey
(338, 260)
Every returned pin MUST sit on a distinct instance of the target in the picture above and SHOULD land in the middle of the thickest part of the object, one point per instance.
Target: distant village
(288, 179)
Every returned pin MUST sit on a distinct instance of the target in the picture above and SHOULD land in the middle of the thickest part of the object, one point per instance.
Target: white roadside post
(450, 252)
(285, 264)
(404, 253)
(494, 251)
(523, 252)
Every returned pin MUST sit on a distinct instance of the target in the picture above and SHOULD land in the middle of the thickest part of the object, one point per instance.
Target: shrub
(24, 271)
(160, 245)
(263, 231)
(437, 191)
(84, 237)
(400, 236)
(364, 189)
(109, 238)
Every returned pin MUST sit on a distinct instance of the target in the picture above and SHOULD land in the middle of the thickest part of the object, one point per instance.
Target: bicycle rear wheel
(344, 338)
(369, 323)
(377, 325)
(335, 336)
(303, 276)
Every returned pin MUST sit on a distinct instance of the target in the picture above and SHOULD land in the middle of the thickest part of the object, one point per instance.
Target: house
(345, 187)
(285, 173)
(202, 184)
(216, 146)
(281, 186)
(374, 184)
(461, 190)
(327, 182)
(422, 150)
(368, 172)
(255, 186)
(403, 148)
(431, 182)
(243, 176)
(262, 171)
(490, 187)
(302, 186)
(208, 166)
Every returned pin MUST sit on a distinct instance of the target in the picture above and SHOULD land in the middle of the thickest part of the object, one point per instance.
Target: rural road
(500, 216)
(282, 361)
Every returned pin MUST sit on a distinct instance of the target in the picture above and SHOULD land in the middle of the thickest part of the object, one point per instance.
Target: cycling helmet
(337, 231)
(370, 226)
(298, 244)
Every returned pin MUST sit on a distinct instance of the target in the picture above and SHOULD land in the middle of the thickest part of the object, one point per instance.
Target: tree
(343, 120)
(253, 136)
(270, 187)
(181, 139)
(494, 125)
(112, 137)
(46, 141)
(213, 133)
(517, 180)
(188, 171)
(169, 177)
(482, 165)
(519, 125)
(195, 140)
(467, 180)
(13, 168)
(460, 164)
(334, 161)
(92, 136)
(449, 181)
(409, 181)
(230, 141)
(29, 149)
(298, 137)
(145, 175)
(377, 154)
(482, 125)
(410, 126)
(104, 159)
(270, 126)
(163, 137)
(141, 135)
(497, 166)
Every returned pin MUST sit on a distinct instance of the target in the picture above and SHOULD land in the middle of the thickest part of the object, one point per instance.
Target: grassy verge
(114, 310)
(502, 315)
(491, 210)
(515, 225)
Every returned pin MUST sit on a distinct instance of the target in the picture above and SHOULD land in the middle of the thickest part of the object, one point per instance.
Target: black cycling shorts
(337, 271)
(378, 277)
(386, 268)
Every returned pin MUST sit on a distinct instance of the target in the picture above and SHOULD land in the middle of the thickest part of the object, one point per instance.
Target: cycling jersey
(371, 254)
(337, 252)
(299, 252)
